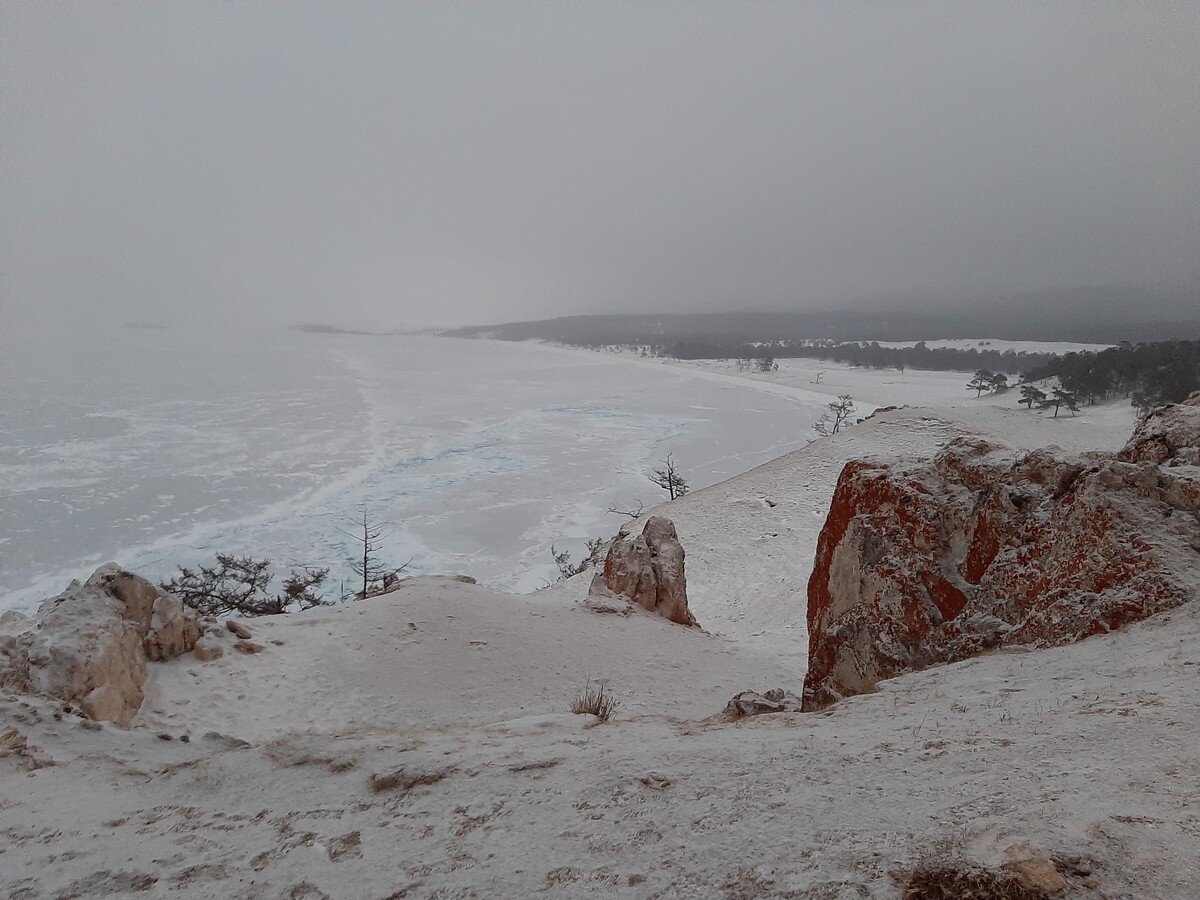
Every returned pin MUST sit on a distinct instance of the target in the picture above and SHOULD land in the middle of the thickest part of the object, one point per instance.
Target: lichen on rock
(929, 562)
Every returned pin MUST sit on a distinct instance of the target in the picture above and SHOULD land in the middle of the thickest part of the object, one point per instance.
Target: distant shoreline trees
(1148, 374)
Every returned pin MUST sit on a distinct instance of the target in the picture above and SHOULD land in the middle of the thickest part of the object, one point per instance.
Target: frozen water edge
(480, 453)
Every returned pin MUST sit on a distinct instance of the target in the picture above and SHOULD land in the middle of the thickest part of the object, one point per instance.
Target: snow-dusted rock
(208, 647)
(752, 703)
(90, 644)
(237, 628)
(647, 569)
(174, 629)
(931, 562)
(1171, 432)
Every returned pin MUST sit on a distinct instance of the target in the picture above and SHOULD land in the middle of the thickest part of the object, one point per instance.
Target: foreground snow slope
(418, 744)
(1086, 752)
(439, 652)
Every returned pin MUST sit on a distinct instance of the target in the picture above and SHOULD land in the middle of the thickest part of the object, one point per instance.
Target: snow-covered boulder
(647, 569)
(90, 644)
(930, 562)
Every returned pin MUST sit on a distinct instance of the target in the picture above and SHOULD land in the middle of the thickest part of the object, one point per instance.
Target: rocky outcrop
(646, 569)
(1170, 435)
(90, 644)
(930, 562)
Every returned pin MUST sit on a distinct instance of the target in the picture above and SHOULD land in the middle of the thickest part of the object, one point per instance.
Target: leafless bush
(634, 512)
(596, 548)
(595, 700)
(670, 479)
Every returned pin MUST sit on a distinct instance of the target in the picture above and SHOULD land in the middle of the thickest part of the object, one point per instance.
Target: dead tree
(366, 564)
(669, 479)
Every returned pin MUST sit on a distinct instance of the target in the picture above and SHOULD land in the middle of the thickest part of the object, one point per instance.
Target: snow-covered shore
(419, 744)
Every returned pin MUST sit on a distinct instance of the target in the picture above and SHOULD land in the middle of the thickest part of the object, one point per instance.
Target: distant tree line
(866, 354)
(1148, 374)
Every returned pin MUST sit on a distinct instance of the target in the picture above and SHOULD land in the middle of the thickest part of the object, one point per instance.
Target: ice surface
(153, 449)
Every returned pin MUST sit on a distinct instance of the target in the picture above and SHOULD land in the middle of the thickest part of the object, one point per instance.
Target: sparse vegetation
(595, 700)
(376, 575)
(962, 881)
(669, 479)
(837, 417)
(634, 512)
(568, 569)
(241, 585)
(766, 364)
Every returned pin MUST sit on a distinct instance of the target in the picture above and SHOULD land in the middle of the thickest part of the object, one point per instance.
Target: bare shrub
(670, 479)
(962, 881)
(838, 417)
(595, 700)
(241, 584)
(405, 780)
(596, 548)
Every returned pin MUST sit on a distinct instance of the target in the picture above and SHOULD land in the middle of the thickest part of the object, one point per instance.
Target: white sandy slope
(1087, 752)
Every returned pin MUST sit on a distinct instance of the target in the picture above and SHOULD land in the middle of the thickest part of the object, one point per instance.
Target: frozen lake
(154, 449)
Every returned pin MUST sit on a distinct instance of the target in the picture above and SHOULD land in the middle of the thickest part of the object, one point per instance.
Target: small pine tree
(375, 574)
(981, 382)
(1031, 394)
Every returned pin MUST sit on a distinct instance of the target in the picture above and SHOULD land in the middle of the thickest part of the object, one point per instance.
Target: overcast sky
(431, 163)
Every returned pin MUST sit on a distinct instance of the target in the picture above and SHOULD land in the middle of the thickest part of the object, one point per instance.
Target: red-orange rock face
(931, 562)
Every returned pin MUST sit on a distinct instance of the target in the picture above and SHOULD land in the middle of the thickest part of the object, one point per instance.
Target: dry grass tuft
(961, 881)
(405, 780)
(595, 700)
